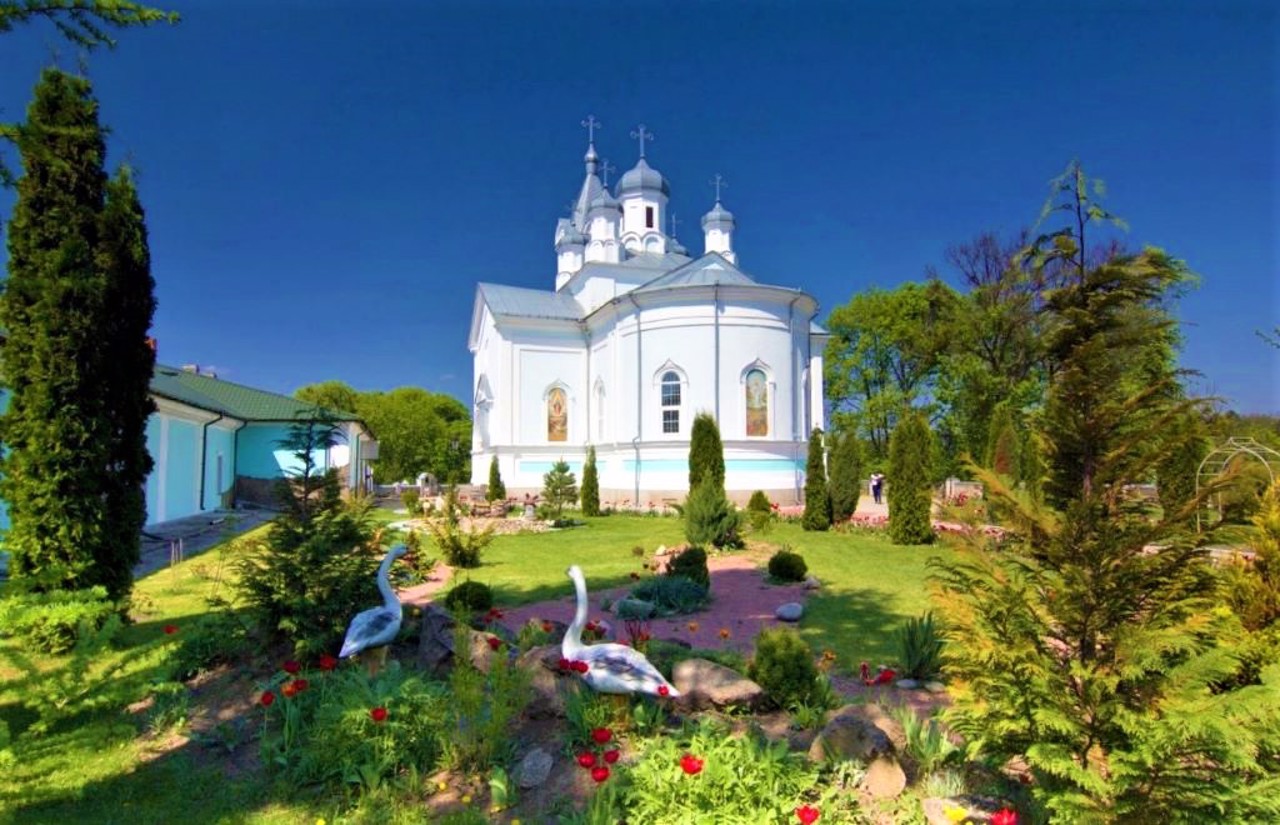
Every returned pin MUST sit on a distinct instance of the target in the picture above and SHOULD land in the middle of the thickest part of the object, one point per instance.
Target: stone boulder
(436, 643)
(534, 769)
(861, 732)
(789, 612)
(885, 778)
(706, 684)
(549, 688)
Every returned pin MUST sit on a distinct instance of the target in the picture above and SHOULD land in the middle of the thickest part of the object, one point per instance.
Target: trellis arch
(1220, 457)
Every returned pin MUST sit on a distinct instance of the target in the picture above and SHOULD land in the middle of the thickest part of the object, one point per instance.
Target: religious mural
(557, 416)
(757, 403)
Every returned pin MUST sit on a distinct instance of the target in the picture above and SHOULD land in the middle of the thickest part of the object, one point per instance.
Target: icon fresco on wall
(757, 403)
(557, 416)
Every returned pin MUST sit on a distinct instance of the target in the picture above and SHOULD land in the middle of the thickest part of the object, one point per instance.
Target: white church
(638, 337)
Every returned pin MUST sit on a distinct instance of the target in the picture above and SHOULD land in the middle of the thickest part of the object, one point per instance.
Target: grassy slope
(95, 768)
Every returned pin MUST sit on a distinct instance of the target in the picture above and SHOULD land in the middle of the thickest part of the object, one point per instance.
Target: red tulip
(289, 690)
(664, 691)
(291, 667)
(587, 759)
(494, 642)
(300, 685)
(547, 627)
(601, 735)
(266, 698)
(600, 774)
(864, 671)
(1004, 816)
(807, 814)
(612, 756)
(378, 714)
(690, 764)
(170, 629)
(327, 662)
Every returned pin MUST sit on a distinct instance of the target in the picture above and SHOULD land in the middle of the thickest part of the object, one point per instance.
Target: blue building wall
(182, 475)
(153, 478)
(219, 465)
(259, 454)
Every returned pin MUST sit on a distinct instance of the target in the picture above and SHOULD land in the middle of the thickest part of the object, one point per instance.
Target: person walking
(877, 486)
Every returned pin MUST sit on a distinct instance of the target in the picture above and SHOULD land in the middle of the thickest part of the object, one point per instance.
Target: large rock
(789, 612)
(534, 769)
(857, 732)
(549, 688)
(703, 683)
(885, 778)
(436, 643)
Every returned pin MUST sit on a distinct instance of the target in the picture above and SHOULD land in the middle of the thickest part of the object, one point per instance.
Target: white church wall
(540, 368)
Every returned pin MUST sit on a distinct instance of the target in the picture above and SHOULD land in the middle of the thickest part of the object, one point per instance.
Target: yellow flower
(955, 813)
(515, 822)
(466, 799)
(442, 786)
(320, 821)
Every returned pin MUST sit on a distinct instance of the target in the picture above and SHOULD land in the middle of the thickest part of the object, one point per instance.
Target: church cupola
(717, 227)
(570, 250)
(604, 229)
(643, 193)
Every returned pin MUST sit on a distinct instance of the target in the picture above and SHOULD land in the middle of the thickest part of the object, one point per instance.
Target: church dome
(643, 178)
(571, 237)
(718, 214)
(604, 201)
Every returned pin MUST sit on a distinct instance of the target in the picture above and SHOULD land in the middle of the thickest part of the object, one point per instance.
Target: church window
(648, 217)
(670, 402)
(557, 416)
(757, 401)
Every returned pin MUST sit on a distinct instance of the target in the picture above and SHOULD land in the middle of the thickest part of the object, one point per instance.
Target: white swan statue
(611, 668)
(376, 627)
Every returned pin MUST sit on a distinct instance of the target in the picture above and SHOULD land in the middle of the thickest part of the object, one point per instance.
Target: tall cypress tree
(817, 503)
(846, 477)
(706, 452)
(497, 491)
(590, 492)
(910, 476)
(75, 310)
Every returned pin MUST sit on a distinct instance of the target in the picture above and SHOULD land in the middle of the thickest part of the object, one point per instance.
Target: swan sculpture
(611, 668)
(376, 627)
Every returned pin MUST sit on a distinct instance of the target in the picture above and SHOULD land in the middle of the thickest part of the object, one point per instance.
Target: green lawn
(94, 767)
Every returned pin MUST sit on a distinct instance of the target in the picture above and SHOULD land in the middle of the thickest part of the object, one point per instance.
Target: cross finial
(605, 168)
(674, 221)
(591, 124)
(642, 134)
(719, 183)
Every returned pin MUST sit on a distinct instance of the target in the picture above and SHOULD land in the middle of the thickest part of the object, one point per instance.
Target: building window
(757, 392)
(648, 217)
(557, 416)
(670, 402)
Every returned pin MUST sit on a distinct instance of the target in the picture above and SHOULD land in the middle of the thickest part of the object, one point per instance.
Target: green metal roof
(235, 400)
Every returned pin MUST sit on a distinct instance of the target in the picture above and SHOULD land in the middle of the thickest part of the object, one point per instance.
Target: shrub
(460, 547)
(53, 622)
(845, 477)
(481, 709)
(692, 564)
(706, 453)
(786, 566)
(496, 491)
(920, 647)
(760, 512)
(412, 501)
(590, 494)
(926, 742)
(759, 503)
(783, 665)
(216, 637)
(709, 517)
(817, 502)
(559, 488)
(671, 595)
(910, 451)
(472, 597)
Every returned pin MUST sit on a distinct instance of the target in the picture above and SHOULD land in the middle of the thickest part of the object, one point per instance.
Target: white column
(815, 393)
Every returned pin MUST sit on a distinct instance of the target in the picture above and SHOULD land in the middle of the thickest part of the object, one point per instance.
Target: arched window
(557, 415)
(756, 384)
(670, 402)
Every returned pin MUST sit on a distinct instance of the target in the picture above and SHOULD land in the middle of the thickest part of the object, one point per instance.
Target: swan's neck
(573, 636)
(388, 595)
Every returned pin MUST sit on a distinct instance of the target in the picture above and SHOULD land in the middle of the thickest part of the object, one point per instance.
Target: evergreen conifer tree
(75, 310)
(817, 503)
(1002, 443)
(846, 477)
(496, 491)
(910, 480)
(590, 493)
(559, 487)
(706, 452)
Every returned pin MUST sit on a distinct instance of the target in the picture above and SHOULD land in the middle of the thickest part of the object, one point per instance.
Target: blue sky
(325, 183)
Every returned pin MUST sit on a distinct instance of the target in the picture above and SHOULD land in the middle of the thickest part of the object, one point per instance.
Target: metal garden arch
(1219, 458)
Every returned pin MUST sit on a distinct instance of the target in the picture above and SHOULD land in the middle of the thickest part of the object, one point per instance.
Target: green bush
(759, 503)
(53, 622)
(473, 597)
(692, 564)
(216, 637)
(817, 501)
(760, 512)
(920, 647)
(671, 595)
(496, 491)
(783, 665)
(926, 742)
(910, 477)
(709, 517)
(412, 501)
(590, 492)
(786, 566)
(706, 453)
(460, 547)
(481, 709)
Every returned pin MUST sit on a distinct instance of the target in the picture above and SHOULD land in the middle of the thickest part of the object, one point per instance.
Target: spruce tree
(75, 310)
(817, 503)
(706, 452)
(910, 480)
(559, 487)
(1002, 443)
(496, 491)
(590, 492)
(846, 477)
